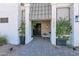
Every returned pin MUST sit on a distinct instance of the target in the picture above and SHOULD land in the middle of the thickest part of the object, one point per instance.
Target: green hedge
(3, 40)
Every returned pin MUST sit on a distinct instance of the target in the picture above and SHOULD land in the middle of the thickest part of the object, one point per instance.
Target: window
(3, 20)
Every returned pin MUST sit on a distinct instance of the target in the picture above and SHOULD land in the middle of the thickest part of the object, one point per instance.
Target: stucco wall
(76, 26)
(59, 5)
(71, 17)
(74, 11)
(45, 28)
(10, 29)
(63, 12)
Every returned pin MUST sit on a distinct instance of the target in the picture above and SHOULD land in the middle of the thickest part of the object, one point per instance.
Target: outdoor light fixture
(77, 18)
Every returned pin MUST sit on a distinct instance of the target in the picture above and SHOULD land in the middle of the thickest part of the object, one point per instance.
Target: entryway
(41, 28)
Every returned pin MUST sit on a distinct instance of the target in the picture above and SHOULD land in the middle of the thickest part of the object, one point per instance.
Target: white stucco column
(53, 25)
(28, 32)
(75, 26)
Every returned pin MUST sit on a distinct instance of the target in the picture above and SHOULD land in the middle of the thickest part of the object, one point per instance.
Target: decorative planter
(61, 41)
(22, 40)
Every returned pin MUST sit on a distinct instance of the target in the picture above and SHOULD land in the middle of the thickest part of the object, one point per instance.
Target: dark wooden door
(37, 30)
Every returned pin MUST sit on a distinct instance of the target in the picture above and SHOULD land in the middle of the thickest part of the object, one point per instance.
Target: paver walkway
(43, 47)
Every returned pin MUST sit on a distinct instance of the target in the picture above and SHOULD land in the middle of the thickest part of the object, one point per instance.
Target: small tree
(63, 27)
(22, 28)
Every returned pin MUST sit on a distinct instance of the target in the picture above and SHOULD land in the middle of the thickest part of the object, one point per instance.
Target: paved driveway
(43, 47)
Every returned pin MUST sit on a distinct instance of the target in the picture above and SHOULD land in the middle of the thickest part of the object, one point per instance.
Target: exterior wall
(71, 18)
(28, 28)
(45, 28)
(63, 12)
(60, 5)
(53, 25)
(75, 30)
(10, 29)
(74, 11)
(20, 15)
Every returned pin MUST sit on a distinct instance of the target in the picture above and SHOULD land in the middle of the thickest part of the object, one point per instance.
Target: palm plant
(63, 27)
(22, 28)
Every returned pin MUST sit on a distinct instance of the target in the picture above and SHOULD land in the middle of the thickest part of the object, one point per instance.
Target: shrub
(63, 27)
(3, 40)
(22, 28)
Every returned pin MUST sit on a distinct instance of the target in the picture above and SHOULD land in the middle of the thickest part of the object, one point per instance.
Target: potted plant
(22, 32)
(63, 29)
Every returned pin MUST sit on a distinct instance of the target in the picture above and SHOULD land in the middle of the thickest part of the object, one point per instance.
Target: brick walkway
(43, 47)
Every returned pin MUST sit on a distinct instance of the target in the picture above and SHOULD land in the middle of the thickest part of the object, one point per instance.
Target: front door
(37, 30)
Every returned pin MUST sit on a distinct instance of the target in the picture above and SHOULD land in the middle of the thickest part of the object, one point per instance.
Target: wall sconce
(77, 18)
